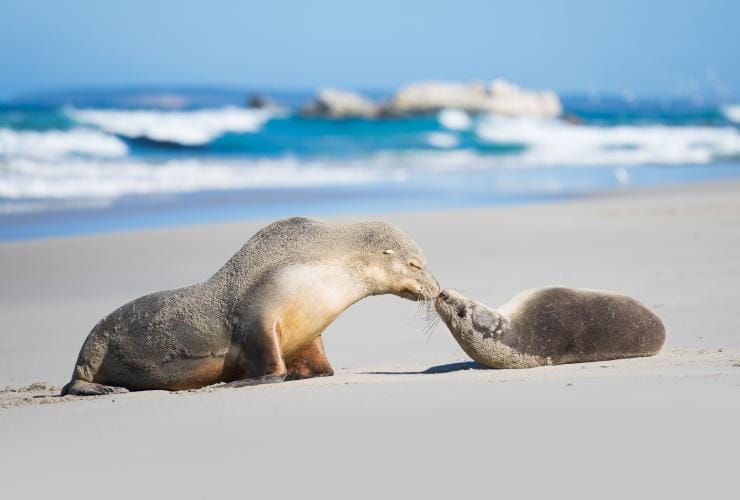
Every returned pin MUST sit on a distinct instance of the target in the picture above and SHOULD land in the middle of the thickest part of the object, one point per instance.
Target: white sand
(667, 427)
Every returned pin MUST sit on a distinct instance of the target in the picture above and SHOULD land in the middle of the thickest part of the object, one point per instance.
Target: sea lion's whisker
(427, 308)
(419, 308)
(431, 327)
(432, 320)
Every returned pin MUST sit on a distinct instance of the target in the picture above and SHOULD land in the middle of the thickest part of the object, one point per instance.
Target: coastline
(663, 425)
(414, 191)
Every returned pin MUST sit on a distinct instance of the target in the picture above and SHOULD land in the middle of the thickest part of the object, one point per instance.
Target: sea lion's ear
(484, 319)
(388, 251)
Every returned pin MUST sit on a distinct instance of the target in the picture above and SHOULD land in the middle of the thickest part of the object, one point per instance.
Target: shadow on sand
(450, 367)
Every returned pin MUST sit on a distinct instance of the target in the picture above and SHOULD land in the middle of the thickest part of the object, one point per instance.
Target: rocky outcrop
(430, 97)
(339, 104)
(500, 97)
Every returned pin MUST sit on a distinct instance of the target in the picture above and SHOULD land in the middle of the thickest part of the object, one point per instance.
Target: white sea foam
(59, 143)
(554, 142)
(189, 128)
(80, 179)
(442, 140)
(732, 112)
(410, 162)
(454, 119)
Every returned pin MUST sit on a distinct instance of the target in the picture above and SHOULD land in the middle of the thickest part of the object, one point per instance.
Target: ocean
(103, 160)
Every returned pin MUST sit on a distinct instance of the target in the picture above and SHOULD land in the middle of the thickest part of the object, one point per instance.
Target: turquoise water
(91, 162)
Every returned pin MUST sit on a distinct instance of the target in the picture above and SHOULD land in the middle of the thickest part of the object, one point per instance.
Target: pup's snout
(449, 296)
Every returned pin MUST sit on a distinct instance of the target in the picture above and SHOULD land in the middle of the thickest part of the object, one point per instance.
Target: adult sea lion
(259, 318)
(551, 326)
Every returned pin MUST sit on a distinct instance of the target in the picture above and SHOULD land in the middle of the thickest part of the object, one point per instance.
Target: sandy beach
(405, 414)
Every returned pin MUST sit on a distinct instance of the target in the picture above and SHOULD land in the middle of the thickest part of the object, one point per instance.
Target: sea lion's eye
(389, 251)
(415, 264)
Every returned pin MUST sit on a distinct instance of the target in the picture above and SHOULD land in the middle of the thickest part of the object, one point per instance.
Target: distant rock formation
(430, 97)
(340, 104)
(499, 97)
(258, 101)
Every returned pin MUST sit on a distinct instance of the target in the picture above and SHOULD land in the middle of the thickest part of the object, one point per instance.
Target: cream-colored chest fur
(310, 298)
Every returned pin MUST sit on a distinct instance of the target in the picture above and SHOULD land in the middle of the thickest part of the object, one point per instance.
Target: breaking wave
(732, 113)
(59, 143)
(187, 128)
(81, 178)
(555, 142)
(94, 162)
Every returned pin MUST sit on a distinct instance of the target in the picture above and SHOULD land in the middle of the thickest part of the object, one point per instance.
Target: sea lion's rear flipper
(267, 379)
(82, 388)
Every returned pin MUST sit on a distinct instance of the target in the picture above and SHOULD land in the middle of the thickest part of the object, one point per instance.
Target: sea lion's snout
(453, 308)
(423, 287)
(432, 285)
(419, 282)
(447, 300)
(449, 295)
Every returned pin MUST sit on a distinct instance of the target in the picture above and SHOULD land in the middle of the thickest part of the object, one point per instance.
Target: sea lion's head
(461, 314)
(391, 262)
(454, 309)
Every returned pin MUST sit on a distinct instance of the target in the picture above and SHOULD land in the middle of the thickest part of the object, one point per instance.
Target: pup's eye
(388, 251)
(415, 264)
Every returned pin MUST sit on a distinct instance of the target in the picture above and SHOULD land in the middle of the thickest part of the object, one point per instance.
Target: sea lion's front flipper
(309, 362)
(261, 359)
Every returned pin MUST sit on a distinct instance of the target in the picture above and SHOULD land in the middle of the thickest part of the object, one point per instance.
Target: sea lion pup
(259, 318)
(552, 326)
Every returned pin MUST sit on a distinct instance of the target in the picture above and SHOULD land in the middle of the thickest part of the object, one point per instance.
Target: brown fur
(310, 361)
(259, 318)
(551, 326)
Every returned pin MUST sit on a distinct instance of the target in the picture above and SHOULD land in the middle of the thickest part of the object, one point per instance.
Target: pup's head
(454, 309)
(461, 314)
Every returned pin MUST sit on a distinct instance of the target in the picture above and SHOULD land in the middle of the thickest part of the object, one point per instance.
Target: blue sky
(656, 47)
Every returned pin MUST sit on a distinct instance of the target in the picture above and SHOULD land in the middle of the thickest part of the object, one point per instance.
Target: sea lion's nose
(443, 295)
